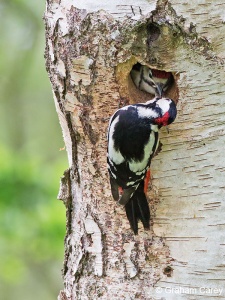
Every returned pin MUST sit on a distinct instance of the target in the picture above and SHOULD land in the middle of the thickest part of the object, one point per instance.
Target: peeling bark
(90, 51)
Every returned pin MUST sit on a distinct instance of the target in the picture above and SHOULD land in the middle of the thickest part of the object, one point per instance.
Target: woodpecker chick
(132, 141)
(152, 81)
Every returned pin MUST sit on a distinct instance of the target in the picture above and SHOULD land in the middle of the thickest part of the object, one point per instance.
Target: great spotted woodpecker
(132, 141)
(152, 81)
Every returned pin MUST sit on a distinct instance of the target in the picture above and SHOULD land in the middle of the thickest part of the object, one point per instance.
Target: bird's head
(161, 80)
(165, 109)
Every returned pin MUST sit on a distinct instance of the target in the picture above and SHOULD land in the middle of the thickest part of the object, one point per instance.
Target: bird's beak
(159, 90)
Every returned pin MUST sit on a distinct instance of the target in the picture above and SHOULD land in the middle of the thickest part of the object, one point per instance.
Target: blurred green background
(32, 221)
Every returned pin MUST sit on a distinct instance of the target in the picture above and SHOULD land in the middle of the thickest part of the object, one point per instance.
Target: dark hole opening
(152, 81)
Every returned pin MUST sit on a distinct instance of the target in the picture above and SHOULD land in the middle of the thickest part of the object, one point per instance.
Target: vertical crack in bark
(86, 122)
(74, 138)
(66, 196)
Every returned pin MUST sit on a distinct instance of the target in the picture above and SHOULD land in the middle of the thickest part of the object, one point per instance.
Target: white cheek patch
(144, 86)
(164, 105)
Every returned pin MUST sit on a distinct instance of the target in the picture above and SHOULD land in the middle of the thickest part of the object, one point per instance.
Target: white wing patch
(140, 167)
(146, 113)
(114, 155)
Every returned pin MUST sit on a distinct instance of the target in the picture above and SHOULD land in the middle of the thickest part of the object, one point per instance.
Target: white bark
(91, 47)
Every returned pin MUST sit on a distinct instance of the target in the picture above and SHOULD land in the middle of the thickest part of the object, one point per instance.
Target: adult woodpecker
(132, 141)
(152, 81)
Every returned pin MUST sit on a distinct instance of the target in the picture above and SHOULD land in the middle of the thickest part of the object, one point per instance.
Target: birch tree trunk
(91, 47)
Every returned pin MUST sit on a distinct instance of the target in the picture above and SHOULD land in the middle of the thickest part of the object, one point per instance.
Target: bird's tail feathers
(137, 209)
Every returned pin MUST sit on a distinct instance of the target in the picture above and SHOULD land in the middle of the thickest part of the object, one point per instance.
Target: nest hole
(144, 81)
(132, 92)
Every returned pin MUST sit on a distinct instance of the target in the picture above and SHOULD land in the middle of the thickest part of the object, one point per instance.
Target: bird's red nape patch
(163, 121)
(146, 181)
(160, 74)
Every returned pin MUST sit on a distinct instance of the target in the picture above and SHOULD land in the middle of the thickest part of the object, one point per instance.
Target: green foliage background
(32, 221)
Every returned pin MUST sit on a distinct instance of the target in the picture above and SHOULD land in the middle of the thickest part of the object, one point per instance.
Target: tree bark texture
(91, 47)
